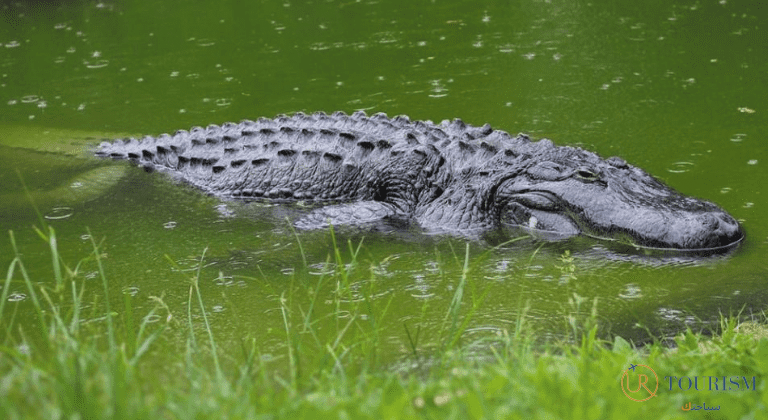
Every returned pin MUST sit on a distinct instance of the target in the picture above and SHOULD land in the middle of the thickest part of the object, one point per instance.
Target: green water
(677, 88)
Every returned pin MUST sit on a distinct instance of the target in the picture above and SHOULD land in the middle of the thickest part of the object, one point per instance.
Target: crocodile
(449, 177)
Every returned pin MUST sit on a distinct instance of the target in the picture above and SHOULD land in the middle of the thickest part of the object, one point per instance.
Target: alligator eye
(587, 175)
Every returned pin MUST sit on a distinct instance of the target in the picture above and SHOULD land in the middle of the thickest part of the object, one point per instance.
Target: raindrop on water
(16, 297)
(132, 290)
(96, 64)
(680, 167)
(58, 213)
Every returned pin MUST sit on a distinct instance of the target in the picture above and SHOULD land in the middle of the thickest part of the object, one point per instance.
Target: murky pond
(676, 88)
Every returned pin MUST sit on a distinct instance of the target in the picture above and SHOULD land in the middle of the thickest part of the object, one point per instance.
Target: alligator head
(570, 191)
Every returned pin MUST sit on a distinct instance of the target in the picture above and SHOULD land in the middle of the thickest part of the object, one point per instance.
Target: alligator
(450, 177)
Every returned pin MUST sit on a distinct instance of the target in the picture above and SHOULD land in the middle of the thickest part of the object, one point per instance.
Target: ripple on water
(738, 137)
(204, 42)
(680, 167)
(190, 264)
(30, 99)
(97, 64)
(58, 213)
(322, 269)
(631, 291)
(152, 318)
(676, 315)
(16, 297)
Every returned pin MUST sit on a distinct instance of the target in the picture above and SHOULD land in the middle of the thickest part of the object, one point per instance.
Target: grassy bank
(93, 359)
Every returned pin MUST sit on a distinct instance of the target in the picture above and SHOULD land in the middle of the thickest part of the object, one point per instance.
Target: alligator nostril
(710, 221)
(728, 228)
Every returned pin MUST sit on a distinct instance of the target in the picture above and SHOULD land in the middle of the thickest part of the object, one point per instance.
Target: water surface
(677, 88)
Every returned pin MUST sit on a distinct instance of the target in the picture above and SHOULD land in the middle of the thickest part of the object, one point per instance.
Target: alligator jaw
(708, 230)
(539, 212)
(700, 232)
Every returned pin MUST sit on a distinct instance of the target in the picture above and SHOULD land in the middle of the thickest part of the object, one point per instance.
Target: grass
(65, 368)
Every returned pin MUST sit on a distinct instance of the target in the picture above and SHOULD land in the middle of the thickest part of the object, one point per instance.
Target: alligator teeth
(532, 222)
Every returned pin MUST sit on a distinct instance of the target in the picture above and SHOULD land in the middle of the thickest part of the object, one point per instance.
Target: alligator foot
(358, 213)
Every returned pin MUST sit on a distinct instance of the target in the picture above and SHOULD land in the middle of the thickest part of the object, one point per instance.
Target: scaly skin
(450, 177)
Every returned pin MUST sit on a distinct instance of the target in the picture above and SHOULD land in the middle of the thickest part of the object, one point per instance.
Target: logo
(647, 383)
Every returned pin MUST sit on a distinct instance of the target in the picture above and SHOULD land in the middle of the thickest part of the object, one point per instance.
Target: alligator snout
(709, 229)
(723, 230)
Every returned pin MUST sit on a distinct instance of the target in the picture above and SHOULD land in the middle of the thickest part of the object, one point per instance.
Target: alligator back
(317, 157)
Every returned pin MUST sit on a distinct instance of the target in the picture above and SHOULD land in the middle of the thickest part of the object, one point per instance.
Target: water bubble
(752, 162)
(85, 237)
(738, 137)
(217, 308)
(13, 102)
(169, 225)
(725, 190)
(58, 213)
(30, 99)
(12, 44)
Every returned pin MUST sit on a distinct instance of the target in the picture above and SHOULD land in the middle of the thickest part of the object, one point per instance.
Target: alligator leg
(357, 213)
